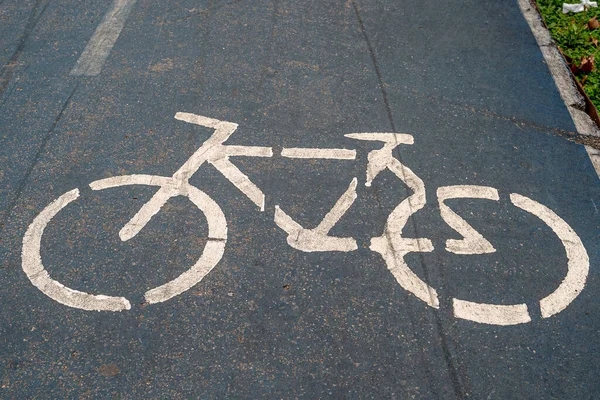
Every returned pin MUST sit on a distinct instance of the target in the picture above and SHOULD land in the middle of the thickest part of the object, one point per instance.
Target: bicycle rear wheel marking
(37, 274)
(213, 251)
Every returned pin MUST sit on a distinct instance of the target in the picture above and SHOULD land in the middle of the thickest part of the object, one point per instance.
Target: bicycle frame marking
(212, 151)
(317, 239)
(391, 245)
(312, 153)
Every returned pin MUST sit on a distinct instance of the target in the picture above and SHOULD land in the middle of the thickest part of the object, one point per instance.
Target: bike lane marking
(390, 245)
(98, 48)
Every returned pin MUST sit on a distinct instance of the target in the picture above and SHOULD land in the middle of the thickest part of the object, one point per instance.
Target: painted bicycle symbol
(391, 245)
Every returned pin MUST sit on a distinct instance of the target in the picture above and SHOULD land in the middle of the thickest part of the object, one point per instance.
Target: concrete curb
(564, 82)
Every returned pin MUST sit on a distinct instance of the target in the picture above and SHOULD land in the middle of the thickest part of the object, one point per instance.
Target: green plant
(578, 42)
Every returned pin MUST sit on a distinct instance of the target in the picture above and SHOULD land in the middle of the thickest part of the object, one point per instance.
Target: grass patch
(579, 40)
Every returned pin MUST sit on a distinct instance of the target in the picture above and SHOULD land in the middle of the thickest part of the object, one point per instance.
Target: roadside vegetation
(578, 37)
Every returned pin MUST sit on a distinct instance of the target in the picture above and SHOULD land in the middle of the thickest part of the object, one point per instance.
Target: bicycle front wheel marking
(215, 247)
(578, 264)
(577, 270)
(492, 314)
(393, 248)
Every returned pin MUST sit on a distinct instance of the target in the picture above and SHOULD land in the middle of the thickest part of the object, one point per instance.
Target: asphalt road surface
(448, 247)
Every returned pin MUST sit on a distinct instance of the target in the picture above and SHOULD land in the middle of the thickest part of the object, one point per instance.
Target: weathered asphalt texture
(466, 78)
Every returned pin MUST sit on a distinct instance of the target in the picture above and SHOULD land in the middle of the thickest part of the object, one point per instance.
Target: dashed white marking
(473, 242)
(493, 314)
(578, 260)
(316, 239)
(98, 48)
(335, 154)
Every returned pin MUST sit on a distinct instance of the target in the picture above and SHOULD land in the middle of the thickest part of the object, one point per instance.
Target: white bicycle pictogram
(391, 245)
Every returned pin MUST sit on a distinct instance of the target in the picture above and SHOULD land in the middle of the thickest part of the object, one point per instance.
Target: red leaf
(587, 64)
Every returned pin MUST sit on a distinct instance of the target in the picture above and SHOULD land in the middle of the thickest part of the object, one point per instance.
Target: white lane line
(96, 51)
(566, 87)
(335, 154)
